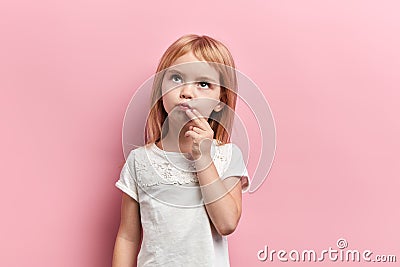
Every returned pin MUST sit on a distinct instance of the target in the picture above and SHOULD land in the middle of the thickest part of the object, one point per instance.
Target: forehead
(188, 65)
(186, 58)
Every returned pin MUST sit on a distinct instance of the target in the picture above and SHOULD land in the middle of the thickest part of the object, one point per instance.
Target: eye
(176, 78)
(204, 85)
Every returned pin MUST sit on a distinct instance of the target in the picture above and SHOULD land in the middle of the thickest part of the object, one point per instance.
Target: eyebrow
(198, 79)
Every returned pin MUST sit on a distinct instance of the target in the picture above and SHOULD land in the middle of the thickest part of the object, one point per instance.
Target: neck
(176, 141)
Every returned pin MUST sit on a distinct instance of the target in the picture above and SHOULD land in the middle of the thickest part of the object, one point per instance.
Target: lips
(184, 106)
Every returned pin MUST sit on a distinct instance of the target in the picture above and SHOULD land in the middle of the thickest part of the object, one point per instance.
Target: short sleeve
(127, 180)
(237, 167)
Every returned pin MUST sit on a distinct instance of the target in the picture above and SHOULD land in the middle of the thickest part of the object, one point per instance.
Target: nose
(187, 91)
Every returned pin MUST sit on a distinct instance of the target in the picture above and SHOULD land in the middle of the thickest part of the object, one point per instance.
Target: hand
(202, 136)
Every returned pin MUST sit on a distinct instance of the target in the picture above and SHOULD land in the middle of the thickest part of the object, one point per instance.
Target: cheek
(166, 104)
(168, 101)
(206, 107)
(168, 86)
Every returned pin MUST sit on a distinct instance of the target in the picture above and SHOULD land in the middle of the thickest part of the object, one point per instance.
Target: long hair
(207, 49)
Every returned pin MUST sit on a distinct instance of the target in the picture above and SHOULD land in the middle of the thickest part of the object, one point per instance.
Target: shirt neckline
(156, 148)
(161, 151)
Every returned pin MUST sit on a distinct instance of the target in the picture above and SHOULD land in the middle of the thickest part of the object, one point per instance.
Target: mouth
(184, 106)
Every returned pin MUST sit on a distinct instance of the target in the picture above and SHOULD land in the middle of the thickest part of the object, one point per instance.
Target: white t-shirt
(176, 228)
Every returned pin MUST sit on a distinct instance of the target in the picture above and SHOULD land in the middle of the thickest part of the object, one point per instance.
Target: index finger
(194, 115)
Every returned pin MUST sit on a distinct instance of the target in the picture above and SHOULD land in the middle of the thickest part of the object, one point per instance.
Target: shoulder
(226, 154)
(228, 148)
(138, 152)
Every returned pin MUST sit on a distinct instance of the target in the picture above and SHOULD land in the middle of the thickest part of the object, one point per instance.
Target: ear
(219, 106)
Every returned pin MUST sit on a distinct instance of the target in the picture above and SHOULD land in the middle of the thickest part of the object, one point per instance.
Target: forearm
(125, 252)
(221, 206)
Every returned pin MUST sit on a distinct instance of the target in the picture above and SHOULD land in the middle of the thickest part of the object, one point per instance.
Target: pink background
(329, 70)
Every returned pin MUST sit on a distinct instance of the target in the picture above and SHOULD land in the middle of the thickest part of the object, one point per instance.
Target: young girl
(182, 191)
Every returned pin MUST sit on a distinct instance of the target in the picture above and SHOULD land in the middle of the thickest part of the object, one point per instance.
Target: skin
(189, 132)
(223, 199)
(182, 85)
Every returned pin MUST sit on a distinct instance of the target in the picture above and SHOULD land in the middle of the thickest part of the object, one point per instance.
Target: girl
(182, 191)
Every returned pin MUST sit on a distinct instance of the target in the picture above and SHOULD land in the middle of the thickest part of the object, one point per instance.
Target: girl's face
(191, 85)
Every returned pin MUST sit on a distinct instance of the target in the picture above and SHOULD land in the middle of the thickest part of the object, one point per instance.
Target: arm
(129, 235)
(223, 199)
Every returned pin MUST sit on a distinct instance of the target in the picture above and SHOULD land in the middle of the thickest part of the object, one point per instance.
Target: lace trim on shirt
(152, 170)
